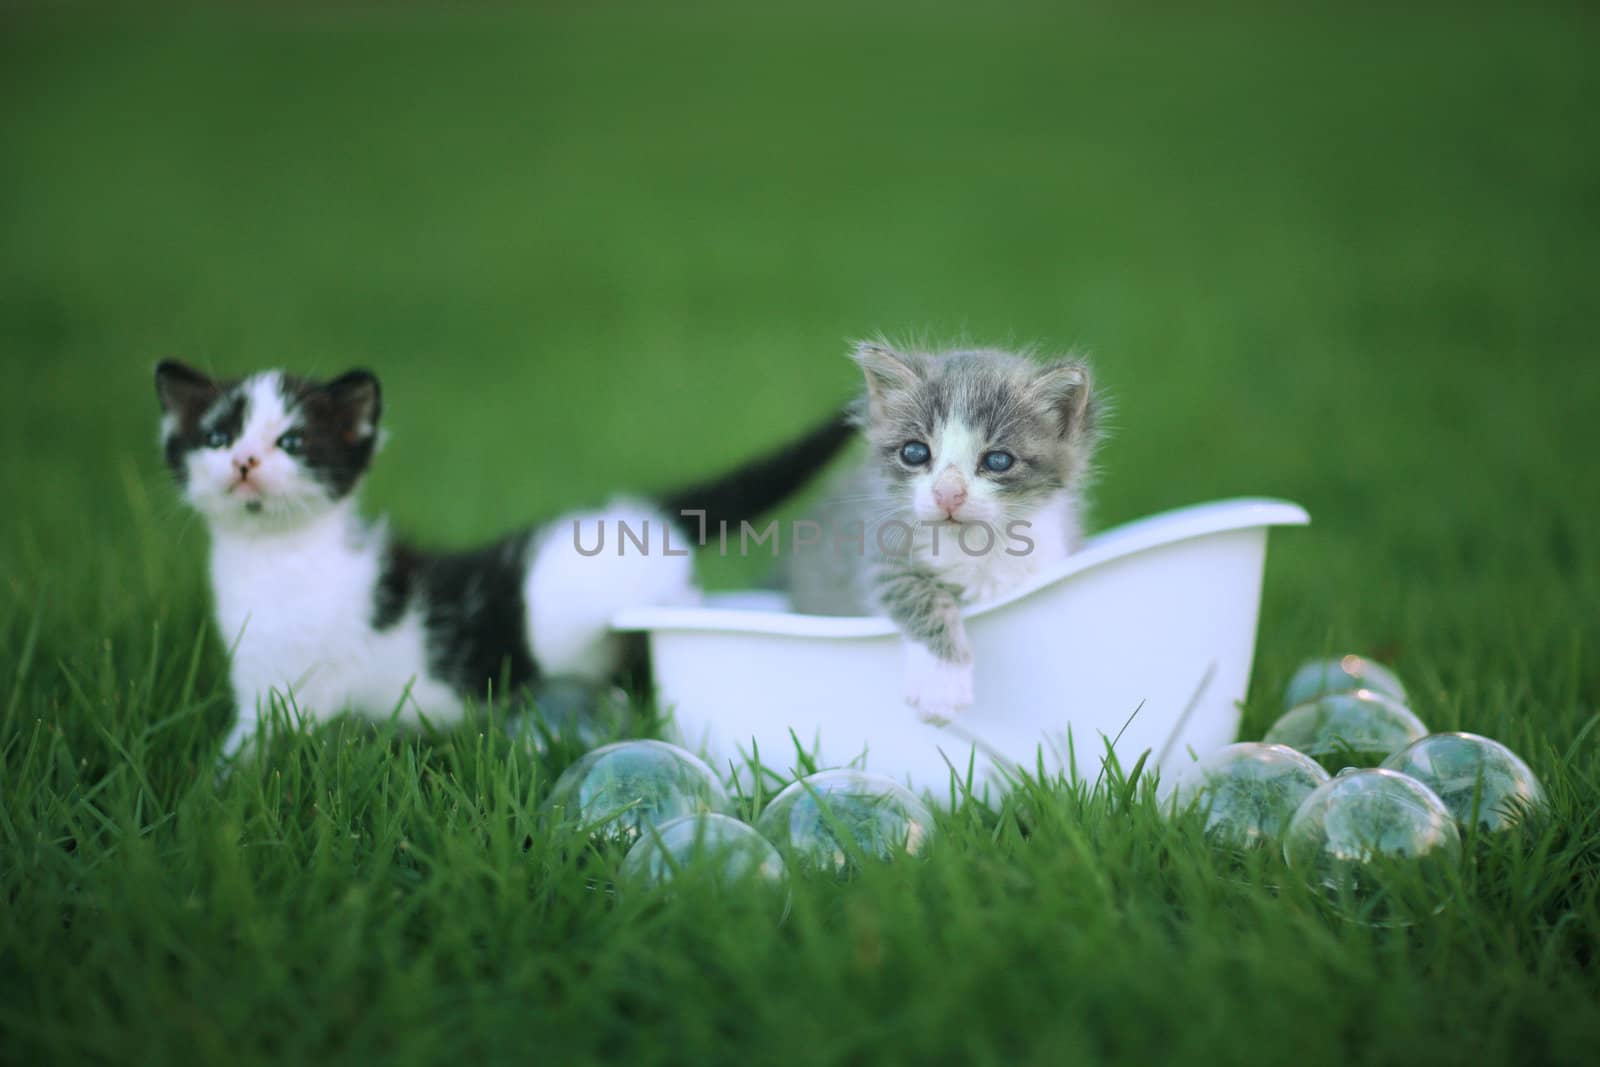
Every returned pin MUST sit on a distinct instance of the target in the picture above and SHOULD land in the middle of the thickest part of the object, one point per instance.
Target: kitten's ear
(1067, 387)
(359, 401)
(886, 370)
(183, 390)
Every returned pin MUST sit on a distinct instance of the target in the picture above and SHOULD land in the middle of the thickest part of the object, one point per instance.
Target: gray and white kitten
(328, 612)
(973, 484)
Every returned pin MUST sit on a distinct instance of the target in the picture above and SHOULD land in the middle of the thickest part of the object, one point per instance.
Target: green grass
(1346, 258)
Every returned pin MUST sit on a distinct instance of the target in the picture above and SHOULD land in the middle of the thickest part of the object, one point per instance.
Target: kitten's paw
(937, 688)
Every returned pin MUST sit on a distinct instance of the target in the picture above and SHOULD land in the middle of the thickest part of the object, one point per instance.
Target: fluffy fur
(973, 483)
(328, 613)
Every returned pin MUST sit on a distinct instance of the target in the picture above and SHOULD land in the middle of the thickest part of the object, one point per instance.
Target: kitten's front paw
(937, 688)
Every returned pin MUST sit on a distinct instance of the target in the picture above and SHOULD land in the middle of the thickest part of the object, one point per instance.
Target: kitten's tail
(763, 483)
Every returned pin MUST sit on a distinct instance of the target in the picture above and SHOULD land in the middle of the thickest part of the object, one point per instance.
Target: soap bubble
(731, 849)
(1324, 677)
(1382, 846)
(1475, 777)
(830, 820)
(570, 710)
(1362, 728)
(1248, 792)
(620, 788)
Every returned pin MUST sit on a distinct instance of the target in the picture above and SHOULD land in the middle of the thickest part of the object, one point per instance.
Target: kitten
(972, 485)
(329, 613)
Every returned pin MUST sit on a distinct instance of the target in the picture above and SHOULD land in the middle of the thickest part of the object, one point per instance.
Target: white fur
(1053, 528)
(295, 579)
(956, 452)
(572, 597)
(296, 605)
(984, 566)
(938, 689)
(283, 493)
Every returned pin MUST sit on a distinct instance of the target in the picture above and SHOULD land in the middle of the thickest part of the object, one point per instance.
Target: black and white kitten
(973, 483)
(330, 613)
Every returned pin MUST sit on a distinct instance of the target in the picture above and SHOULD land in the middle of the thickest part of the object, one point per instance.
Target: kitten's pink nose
(246, 464)
(950, 492)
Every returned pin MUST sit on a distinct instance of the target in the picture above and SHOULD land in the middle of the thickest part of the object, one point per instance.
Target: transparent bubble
(1380, 845)
(1362, 728)
(1248, 792)
(1477, 778)
(572, 711)
(618, 789)
(1324, 677)
(734, 852)
(832, 820)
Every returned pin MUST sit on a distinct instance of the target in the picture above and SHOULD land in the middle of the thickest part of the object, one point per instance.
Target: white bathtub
(1156, 617)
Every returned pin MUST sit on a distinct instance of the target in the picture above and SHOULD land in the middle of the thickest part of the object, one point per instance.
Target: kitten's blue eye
(292, 443)
(217, 439)
(999, 462)
(915, 453)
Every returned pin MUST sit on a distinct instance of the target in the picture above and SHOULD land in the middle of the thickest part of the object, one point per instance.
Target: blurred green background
(1337, 253)
(1346, 257)
(1342, 255)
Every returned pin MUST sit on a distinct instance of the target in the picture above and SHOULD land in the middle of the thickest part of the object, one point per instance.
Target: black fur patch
(472, 611)
(759, 485)
(227, 414)
(187, 395)
(339, 422)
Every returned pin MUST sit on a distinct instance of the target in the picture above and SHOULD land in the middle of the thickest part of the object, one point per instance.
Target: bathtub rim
(1118, 542)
